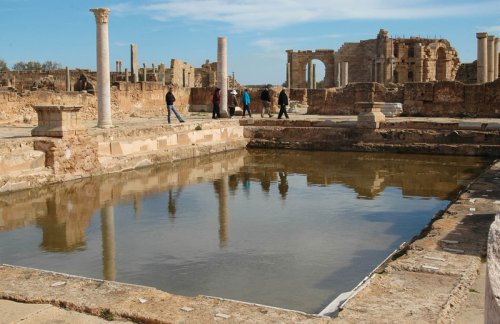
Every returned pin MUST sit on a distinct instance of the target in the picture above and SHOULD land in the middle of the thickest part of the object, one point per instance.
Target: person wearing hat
(233, 102)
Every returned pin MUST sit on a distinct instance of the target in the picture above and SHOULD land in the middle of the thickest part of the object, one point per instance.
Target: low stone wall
(429, 99)
(492, 298)
(41, 160)
(450, 139)
(139, 99)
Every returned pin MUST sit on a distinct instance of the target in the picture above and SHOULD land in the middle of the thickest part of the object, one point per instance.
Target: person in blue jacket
(245, 100)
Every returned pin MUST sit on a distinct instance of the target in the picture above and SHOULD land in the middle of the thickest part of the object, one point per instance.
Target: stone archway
(299, 62)
(441, 73)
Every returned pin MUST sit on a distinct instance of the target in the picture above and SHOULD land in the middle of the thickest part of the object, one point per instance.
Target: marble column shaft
(314, 77)
(491, 58)
(222, 73)
(288, 76)
(134, 65)
(337, 75)
(344, 74)
(482, 57)
(495, 59)
(68, 80)
(103, 72)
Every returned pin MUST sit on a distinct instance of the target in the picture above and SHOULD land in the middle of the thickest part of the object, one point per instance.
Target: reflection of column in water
(283, 185)
(171, 205)
(108, 242)
(246, 183)
(137, 205)
(222, 190)
(172, 201)
(265, 182)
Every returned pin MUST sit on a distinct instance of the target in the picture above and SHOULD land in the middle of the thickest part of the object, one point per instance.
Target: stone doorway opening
(316, 74)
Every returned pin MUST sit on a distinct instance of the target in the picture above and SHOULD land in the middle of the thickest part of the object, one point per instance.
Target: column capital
(481, 35)
(497, 40)
(491, 38)
(101, 15)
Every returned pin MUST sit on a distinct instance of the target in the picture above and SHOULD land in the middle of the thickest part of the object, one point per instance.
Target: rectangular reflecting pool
(289, 229)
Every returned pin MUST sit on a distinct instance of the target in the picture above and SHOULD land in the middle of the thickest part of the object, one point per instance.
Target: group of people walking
(233, 102)
(265, 98)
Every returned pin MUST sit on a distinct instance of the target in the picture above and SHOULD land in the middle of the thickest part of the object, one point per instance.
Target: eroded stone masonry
(383, 60)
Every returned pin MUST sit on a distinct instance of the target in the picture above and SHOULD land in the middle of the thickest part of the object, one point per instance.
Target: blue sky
(258, 31)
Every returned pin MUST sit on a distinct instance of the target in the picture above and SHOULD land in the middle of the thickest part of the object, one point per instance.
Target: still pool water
(284, 228)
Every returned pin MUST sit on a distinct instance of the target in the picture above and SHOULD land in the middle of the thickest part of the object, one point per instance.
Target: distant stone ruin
(383, 60)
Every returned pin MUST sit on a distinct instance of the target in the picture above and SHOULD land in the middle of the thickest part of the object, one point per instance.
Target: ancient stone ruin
(383, 60)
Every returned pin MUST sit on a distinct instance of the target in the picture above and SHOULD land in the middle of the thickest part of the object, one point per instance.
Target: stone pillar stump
(57, 121)
(370, 115)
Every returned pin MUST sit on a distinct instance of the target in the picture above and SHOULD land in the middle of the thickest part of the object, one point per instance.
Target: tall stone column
(144, 72)
(288, 76)
(309, 76)
(68, 80)
(134, 63)
(491, 57)
(344, 74)
(495, 59)
(103, 82)
(482, 57)
(314, 76)
(337, 75)
(222, 73)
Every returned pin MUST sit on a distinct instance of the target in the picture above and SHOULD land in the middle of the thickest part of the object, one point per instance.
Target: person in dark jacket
(216, 104)
(283, 102)
(232, 103)
(266, 102)
(169, 98)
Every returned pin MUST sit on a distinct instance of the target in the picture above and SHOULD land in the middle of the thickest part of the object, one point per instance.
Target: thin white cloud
(254, 15)
(490, 29)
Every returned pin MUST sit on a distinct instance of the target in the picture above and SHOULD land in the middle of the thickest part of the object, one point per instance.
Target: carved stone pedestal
(370, 115)
(57, 121)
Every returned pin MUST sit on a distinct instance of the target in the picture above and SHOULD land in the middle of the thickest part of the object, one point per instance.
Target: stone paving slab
(433, 281)
(12, 312)
(133, 302)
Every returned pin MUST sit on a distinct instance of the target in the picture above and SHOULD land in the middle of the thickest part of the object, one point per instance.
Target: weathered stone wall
(427, 99)
(132, 99)
(25, 80)
(341, 101)
(36, 161)
(467, 73)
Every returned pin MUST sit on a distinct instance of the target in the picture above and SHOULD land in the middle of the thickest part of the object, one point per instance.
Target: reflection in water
(283, 185)
(289, 230)
(172, 198)
(221, 191)
(108, 242)
(137, 205)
